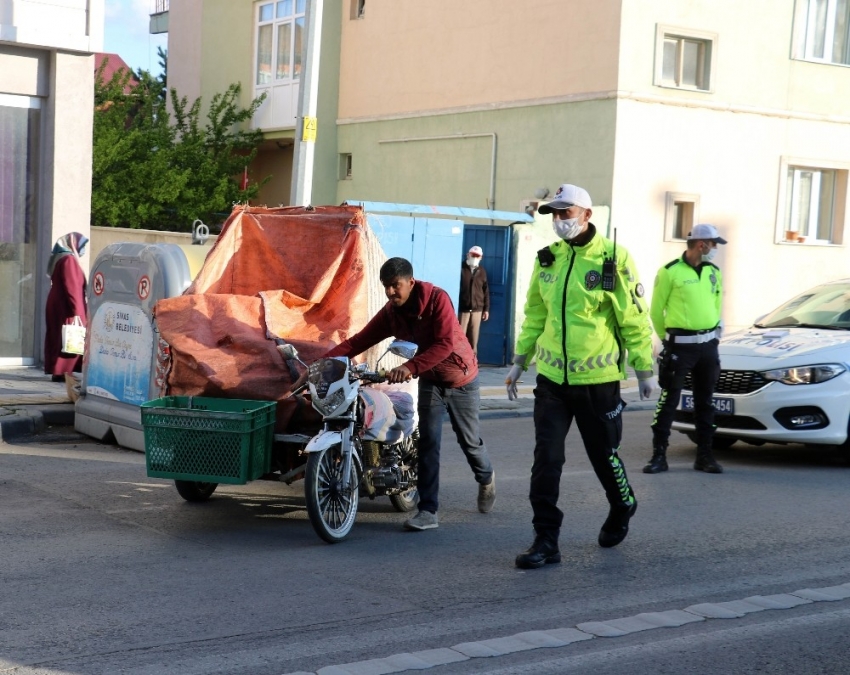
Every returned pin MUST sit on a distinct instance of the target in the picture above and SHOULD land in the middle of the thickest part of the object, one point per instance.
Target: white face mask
(708, 257)
(567, 229)
(472, 261)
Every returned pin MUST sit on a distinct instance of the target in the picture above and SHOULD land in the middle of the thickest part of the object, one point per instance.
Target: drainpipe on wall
(491, 200)
(301, 190)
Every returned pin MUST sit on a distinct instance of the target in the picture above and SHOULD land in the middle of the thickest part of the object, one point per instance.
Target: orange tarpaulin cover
(306, 275)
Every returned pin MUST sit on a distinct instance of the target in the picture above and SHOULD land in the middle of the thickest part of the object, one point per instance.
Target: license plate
(724, 406)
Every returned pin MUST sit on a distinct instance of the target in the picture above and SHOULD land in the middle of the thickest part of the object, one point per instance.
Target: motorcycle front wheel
(332, 508)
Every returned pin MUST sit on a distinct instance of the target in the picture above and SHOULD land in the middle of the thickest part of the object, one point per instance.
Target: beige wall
(209, 48)
(754, 68)
(418, 55)
(24, 71)
(184, 47)
(733, 162)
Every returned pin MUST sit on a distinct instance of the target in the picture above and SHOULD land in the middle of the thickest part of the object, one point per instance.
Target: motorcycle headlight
(805, 374)
(327, 405)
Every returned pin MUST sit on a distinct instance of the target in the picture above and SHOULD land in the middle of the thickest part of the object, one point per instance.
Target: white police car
(786, 379)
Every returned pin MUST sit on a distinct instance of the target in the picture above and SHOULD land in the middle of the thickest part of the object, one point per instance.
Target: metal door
(432, 245)
(495, 241)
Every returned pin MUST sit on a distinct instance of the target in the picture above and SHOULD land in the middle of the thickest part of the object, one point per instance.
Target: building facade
(46, 107)
(669, 113)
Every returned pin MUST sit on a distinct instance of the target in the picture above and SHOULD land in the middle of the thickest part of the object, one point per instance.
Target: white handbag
(74, 337)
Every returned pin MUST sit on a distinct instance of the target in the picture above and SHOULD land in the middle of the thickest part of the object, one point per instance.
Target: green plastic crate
(211, 440)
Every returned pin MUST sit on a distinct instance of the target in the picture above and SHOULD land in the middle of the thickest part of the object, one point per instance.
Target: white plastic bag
(74, 337)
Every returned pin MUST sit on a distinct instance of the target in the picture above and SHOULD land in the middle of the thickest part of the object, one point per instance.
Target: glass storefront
(20, 124)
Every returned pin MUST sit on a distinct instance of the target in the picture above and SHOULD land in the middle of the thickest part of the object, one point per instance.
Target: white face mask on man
(567, 229)
(708, 256)
(472, 260)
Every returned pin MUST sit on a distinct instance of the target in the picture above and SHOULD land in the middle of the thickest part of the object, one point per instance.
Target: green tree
(152, 172)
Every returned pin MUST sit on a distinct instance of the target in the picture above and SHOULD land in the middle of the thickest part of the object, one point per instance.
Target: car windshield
(826, 306)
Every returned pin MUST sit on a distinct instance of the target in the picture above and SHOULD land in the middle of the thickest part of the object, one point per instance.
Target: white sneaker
(424, 520)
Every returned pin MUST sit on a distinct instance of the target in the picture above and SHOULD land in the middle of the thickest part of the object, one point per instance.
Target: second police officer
(686, 316)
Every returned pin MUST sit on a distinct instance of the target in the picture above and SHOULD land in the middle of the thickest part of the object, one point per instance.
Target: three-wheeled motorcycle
(366, 444)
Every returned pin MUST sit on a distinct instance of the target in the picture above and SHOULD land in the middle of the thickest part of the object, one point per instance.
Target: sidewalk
(30, 402)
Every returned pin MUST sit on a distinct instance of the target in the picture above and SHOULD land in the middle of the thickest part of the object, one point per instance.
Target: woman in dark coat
(66, 300)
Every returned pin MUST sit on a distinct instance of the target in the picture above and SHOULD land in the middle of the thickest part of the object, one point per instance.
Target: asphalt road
(103, 570)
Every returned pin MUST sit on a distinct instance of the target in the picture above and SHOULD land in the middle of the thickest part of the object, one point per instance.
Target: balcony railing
(161, 6)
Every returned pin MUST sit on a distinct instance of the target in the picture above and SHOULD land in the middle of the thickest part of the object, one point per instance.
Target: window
(827, 30)
(684, 59)
(20, 145)
(280, 31)
(345, 166)
(358, 9)
(681, 215)
(813, 205)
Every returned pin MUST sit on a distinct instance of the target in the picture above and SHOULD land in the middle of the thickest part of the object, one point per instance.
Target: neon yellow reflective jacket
(572, 326)
(684, 297)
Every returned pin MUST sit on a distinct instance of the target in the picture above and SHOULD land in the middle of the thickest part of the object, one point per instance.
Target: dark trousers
(597, 410)
(676, 361)
(462, 404)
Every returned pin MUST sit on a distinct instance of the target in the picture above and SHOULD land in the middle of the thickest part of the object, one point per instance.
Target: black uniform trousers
(597, 409)
(675, 362)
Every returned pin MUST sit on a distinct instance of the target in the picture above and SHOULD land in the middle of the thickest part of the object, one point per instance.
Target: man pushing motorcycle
(447, 371)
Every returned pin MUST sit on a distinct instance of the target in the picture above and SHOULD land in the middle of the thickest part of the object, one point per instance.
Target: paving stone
(476, 649)
(301, 672)
(670, 619)
(828, 594)
(711, 610)
(742, 606)
(406, 661)
(508, 645)
(600, 629)
(630, 624)
(568, 635)
(370, 667)
(779, 601)
(440, 656)
(842, 591)
(540, 638)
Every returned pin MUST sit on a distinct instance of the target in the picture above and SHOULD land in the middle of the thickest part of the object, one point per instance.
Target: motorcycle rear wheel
(405, 501)
(332, 510)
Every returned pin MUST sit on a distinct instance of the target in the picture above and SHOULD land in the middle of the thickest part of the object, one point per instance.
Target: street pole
(301, 191)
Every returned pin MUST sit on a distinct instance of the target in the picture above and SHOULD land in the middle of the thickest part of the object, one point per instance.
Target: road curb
(31, 421)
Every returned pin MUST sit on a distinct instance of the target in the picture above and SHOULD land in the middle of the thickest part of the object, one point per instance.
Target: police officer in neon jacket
(584, 313)
(686, 316)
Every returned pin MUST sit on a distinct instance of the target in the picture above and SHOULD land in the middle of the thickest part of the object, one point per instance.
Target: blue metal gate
(432, 245)
(493, 345)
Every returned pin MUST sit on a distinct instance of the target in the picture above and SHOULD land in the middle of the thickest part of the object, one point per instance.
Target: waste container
(124, 364)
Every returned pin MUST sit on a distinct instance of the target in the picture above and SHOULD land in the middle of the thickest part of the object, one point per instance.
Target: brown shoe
(487, 495)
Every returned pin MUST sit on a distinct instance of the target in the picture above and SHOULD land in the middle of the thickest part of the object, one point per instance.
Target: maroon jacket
(429, 320)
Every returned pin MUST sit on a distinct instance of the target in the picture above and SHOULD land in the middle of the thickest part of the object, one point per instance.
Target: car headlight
(805, 374)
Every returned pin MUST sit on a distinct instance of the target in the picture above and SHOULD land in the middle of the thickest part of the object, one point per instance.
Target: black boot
(706, 462)
(658, 463)
(544, 551)
(616, 526)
